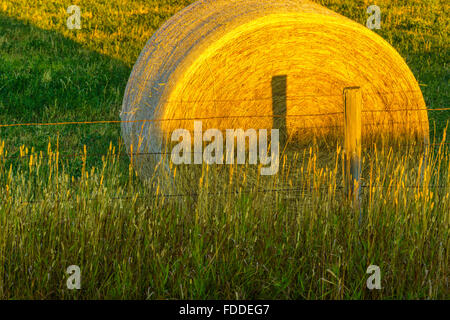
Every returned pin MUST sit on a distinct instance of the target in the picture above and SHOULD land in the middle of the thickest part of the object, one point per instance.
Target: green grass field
(243, 242)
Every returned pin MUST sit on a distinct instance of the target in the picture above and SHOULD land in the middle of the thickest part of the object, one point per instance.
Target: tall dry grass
(232, 234)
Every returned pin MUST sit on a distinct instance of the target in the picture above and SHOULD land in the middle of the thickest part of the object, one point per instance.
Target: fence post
(352, 144)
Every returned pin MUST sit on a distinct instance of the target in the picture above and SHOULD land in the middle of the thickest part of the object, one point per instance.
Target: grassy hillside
(240, 239)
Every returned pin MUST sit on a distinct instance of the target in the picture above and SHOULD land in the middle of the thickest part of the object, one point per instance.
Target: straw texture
(219, 60)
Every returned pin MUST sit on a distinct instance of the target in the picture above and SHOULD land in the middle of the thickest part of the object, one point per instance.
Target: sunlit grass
(290, 236)
(233, 234)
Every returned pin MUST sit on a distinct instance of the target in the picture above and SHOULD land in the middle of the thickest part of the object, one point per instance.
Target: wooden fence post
(352, 144)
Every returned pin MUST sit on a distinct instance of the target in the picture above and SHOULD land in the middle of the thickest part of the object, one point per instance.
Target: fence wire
(35, 124)
(284, 190)
(309, 190)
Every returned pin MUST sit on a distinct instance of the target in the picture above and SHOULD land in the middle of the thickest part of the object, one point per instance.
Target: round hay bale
(227, 62)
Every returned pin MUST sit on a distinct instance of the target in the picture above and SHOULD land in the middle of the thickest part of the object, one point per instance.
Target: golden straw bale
(219, 61)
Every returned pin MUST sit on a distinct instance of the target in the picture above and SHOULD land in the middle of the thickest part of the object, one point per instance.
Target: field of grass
(290, 237)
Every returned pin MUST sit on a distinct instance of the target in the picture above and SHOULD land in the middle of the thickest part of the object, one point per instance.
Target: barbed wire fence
(272, 116)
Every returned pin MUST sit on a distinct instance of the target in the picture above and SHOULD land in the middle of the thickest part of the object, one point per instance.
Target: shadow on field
(45, 77)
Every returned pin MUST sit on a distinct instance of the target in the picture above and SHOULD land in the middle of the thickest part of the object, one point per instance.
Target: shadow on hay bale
(236, 64)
